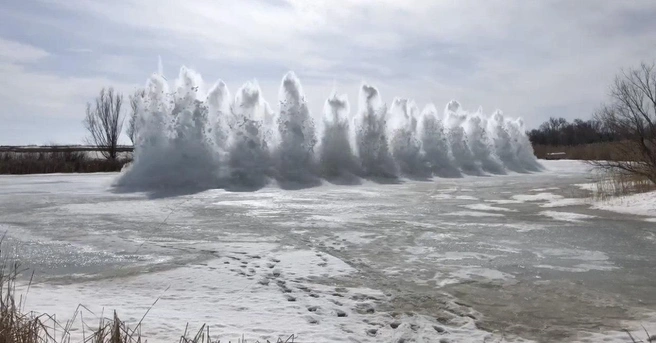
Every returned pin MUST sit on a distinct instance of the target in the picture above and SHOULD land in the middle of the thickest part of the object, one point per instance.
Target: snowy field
(520, 257)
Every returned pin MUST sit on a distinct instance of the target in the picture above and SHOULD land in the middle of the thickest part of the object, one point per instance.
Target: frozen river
(503, 258)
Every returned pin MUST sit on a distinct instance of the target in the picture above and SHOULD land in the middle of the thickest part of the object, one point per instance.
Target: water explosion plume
(337, 160)
(406, 147)
(193, 139)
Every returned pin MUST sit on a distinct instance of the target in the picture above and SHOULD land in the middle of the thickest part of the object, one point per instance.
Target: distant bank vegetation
(621, 137)
(44, 161)
(578, 140)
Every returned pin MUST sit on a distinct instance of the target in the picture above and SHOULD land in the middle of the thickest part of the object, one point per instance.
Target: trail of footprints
(255, 266)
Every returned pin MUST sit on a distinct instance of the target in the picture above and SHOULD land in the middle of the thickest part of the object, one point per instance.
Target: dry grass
(20, 326)
(16, 326)
(649, 339)
(55, 162)
(610, 182)
(615, 183)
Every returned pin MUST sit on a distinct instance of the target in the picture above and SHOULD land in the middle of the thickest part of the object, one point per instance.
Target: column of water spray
(188, 137)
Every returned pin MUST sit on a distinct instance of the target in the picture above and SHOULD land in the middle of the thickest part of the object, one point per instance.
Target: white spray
(192, 139)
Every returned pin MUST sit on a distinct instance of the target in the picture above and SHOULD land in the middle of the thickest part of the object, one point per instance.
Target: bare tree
(105, 122)
(631, 115)
(132, 122)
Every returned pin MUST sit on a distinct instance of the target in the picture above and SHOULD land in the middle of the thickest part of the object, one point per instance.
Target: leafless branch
(631, 116)
(104, 122)
(132, 121)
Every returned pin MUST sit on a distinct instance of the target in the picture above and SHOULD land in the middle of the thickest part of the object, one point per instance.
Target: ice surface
(566, 202)
(235, 299)
(580, 260)
(537, 197)
(639, 330)
(191, 139)
(263, 294)
(480, 273)
(401, 253)
(474, 214)
(566, 216)
(642, 204)
(485, 207)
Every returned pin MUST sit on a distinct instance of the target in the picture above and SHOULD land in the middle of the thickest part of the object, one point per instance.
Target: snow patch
(447, 196)
(641, 204)
(537, 197)
(587, 186)
(566, 216)
(505, 201)
(484, 207)
(473, 214)
(566, 202)
(579, 268)
(474, 273)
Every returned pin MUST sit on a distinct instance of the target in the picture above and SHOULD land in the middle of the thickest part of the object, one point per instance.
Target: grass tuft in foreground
(20, 326)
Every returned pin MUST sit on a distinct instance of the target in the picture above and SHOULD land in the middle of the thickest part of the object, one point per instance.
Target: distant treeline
(45, 162)
(61, 148)
(606, 151)
(560, 132)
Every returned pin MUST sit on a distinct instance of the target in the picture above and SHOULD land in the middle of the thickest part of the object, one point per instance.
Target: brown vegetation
(587, 152)
(44, 162)
(617, 183)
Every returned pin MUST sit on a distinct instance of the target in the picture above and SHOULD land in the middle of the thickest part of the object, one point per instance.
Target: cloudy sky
(532, 59)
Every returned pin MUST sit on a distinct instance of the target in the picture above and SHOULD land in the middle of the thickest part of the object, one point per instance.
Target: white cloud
(17, 52)
(49, 94)
(31, 98)
(80, 50)
(530, 58)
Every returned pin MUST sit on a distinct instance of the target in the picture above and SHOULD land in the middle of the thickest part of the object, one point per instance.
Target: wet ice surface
(459, 259)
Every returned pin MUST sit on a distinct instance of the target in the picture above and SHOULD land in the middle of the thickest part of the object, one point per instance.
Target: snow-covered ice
(537, 197)
(447, 258)
(566, 216)
(485, 207)
(566, 202)
(641, 204)
(474, 214)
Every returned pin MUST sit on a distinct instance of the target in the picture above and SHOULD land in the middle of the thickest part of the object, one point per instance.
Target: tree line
(560, 132)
